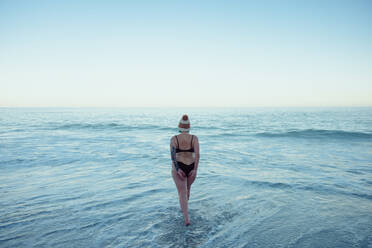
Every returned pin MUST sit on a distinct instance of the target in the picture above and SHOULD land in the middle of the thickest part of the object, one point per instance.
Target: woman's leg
(181, 184)
(190, 180)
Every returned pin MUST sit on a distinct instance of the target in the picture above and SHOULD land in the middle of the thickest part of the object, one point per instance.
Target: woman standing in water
(185, 160)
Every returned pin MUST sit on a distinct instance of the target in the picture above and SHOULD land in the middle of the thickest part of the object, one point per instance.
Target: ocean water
(281, 177)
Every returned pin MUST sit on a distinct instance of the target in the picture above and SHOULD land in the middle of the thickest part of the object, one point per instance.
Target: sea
(267, 177)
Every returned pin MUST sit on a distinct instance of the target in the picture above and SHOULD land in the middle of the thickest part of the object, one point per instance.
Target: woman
(185, 159)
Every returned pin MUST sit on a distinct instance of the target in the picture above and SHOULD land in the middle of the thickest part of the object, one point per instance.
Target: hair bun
(185, 117)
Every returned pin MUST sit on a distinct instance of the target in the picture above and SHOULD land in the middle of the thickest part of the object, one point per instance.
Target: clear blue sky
(189, 53)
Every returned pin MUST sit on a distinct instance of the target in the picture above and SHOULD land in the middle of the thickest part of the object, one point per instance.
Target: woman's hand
(192, 173)
(181, 174)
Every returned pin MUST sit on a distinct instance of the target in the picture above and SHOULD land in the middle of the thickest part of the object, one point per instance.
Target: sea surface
(268, 177)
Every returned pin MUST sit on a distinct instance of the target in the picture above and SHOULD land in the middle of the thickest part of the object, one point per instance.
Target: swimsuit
(185, 167)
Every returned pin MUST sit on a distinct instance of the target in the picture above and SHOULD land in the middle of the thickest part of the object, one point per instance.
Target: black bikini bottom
(186, 167)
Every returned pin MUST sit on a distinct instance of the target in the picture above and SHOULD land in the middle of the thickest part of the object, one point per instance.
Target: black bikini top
(181, 150)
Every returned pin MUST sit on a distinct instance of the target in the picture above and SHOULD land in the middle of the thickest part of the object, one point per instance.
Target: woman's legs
(181, 184)
(190, 180)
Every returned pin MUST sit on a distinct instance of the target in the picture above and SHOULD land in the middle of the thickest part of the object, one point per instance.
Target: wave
(221, 132)
(227, 134)
(108, 126)
(318, 133)
(321, 189)
(268, 184)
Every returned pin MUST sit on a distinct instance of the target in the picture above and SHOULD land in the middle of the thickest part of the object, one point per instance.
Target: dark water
(267, 178)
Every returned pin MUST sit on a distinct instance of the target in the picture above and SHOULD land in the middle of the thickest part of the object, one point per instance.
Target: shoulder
(195, 137)
(173, 138)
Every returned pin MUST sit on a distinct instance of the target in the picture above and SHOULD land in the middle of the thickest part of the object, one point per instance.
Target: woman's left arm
(173, 154)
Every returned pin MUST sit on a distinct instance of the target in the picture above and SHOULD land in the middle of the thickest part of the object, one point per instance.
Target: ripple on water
(327, 238)
(205, 223)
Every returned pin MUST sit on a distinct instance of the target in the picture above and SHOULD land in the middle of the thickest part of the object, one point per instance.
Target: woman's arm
(197, 153)
(180, 173)
(173, 153)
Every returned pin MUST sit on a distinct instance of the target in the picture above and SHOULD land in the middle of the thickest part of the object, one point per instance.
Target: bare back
(186, 141)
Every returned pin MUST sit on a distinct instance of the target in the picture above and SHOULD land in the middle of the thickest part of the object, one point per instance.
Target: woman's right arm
(197, 152)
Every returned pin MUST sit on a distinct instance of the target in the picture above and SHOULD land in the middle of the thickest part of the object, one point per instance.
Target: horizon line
(194, 107)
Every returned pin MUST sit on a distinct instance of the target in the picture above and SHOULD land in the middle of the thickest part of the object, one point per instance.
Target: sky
(185, 53)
